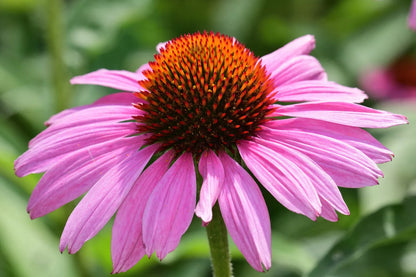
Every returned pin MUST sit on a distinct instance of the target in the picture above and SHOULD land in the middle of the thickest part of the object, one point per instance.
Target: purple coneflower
(206, 102)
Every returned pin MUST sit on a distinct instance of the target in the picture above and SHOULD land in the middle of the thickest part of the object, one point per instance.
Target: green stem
(218, 243)
(55, 45)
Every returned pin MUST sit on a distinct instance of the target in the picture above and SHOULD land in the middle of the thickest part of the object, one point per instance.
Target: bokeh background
(44, 43)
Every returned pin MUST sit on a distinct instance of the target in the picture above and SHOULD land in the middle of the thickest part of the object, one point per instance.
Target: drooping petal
(127, 246)
(282, 178)
(328, 211)
(103, 199)
(94, 115)
(297, 69)
(342, 113)
(56, 147)
(170, 208)
(245, 214)
(312, 90)
(64, 113)
(340, 160)
(77, 173)
(212, 173)
(300, 46)
(323, 144)
(117, 79)
(121, 98)
(354, 136)
(321, 181)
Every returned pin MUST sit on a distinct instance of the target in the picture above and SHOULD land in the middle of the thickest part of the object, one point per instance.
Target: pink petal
(245, 214)
(94, 115)
(297, 69)
(141, 69)
(170, 208)
(345, 164)
(118, 79)
(300, 46)
(282, 178)
(315, 142)
(321, 181)
(77, 173)
(212, 173)
(127, 246)
(412, 16)
(74, 131)
(161, 46)
(121, 98)
(342, 113)
(318, 91)
(54, 148)
(328, 211)
(103, 199)
(353, 136)
(65, 113)
(345, 176)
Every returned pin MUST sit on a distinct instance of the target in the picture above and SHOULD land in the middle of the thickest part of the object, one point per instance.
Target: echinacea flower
(412, 16)
(206, 102)
(396, 81)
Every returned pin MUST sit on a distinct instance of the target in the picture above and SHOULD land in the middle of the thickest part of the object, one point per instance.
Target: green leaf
(390, 225)
(28, 246)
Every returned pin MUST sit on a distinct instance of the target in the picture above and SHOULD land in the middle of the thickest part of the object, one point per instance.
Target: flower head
(203, 92)
(205, 100)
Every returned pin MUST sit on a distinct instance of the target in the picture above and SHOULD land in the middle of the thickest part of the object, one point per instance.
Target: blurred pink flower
(396, 82)
(206, 99)
(412, 16)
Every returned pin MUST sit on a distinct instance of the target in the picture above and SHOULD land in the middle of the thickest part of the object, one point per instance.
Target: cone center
(204, 91)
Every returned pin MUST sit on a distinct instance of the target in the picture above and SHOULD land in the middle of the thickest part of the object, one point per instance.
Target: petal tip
(62, 248)
(310, 41)
(73, 81)
(206, 217)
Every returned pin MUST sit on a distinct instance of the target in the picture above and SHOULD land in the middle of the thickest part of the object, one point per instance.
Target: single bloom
(396, 81)
(412, 16)
(205, 106)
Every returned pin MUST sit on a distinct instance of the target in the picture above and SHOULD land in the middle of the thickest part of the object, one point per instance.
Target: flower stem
(218, 244)
(55, 44)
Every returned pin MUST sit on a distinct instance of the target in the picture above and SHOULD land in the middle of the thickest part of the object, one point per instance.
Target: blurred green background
(44, 43)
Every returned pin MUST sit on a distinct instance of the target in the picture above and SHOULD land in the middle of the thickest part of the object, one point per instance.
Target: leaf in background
(29, 247)
(389, 225)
